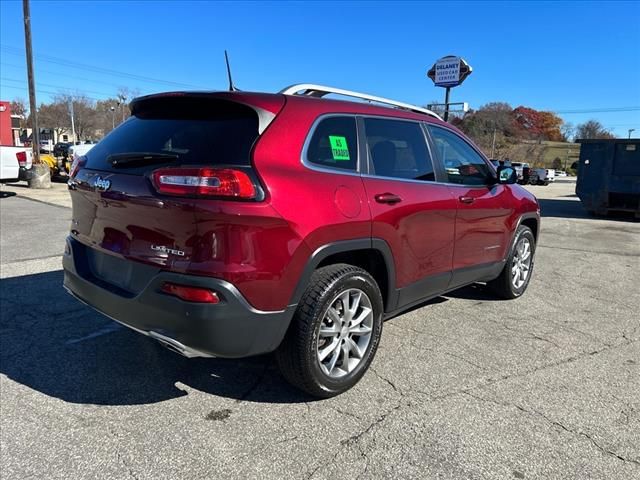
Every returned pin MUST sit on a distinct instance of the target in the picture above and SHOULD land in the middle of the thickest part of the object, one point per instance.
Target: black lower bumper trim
(231, 329)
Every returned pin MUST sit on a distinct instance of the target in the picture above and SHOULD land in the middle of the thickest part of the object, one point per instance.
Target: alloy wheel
(345, 333)
(521, 264)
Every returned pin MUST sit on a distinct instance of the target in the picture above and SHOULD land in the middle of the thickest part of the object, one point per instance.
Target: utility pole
(73, 122)
(122, 99)
(35, 135)
(493, 143)
(40, 174)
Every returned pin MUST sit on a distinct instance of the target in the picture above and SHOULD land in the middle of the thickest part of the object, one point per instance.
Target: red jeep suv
(229, 224)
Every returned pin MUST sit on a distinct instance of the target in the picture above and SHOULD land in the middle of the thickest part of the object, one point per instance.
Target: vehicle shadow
(426, 303)
(475, 291)
(562, 207)
(5, 194)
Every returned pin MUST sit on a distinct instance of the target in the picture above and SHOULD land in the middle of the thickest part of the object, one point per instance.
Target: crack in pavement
(384, 379)
(541, 368)
(348, 414)
(119, 456)
(523, 334)
(354, 440)
(460, 357)
(556, 423)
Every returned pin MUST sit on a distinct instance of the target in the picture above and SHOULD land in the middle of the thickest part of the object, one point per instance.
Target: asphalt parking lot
(465, 387)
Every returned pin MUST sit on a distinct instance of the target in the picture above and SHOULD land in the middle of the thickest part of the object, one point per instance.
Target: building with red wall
(6, 134)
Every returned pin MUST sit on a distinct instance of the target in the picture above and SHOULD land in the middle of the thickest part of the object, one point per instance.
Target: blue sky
(563, 56)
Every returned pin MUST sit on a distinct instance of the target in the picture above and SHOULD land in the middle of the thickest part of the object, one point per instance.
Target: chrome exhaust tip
(177, 347)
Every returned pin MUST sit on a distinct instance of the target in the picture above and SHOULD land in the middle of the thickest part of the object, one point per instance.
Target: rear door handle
(466, 200)
(387, 197)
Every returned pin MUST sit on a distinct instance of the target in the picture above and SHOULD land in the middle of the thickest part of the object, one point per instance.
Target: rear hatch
(123, 209)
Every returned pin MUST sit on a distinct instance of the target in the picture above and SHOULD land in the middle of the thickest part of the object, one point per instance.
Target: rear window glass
(334, 144)
(198, 133)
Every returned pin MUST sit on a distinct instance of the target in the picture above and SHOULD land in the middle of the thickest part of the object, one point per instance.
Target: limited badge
(339, 148)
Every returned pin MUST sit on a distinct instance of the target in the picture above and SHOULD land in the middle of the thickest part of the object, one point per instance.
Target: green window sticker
(339, 148)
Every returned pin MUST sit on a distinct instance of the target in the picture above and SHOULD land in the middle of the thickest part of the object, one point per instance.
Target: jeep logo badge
(102, 184)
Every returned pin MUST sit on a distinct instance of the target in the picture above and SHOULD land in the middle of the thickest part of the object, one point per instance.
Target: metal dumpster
(609, 175)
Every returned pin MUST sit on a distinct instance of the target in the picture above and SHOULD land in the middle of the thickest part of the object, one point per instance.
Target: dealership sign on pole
(449, 72)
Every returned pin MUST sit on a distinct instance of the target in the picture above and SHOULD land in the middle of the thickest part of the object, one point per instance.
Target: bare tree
(56, 117)
(592, 129)
(568, 131)
(124, 97)
(84, 114)
(19, 107)
(107, 114)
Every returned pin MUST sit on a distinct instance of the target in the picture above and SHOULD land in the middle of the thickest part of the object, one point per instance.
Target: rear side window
(198, 133)
(398, 149)
(462, 163)
(334, 144)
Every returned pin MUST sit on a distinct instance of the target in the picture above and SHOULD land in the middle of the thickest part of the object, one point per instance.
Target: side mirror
(507, 175)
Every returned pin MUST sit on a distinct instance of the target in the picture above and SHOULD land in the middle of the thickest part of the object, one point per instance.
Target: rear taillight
(210, 182)
(191, 294)
(22, 158)
(75, 166)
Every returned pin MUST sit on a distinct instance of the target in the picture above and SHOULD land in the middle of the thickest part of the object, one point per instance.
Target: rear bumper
(231, 328)
(25, 173)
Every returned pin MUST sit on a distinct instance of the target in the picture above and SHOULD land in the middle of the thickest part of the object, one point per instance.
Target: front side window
(334, 144)
(462, 163)
(398, 149)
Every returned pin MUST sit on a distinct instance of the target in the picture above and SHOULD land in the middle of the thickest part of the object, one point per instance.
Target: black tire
(503, 286)
(297, 355)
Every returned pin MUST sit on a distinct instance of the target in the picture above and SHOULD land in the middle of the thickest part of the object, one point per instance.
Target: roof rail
(313, 90)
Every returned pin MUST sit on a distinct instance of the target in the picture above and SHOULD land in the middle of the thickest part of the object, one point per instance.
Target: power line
(599, 110)
(66, 75)
(57, 86)
(49, 92)
(82, 66)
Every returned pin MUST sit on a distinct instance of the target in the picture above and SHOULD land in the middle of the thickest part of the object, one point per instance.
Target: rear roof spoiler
(266, 106)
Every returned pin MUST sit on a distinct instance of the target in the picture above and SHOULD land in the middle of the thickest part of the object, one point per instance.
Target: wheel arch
(373, 255)
(532, 221)
(529, 219)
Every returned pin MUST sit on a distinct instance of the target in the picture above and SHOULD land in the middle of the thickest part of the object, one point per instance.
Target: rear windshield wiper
(133, 159)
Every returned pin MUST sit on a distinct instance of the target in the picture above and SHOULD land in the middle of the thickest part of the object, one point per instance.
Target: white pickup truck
(544, 176)
(15, 163)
